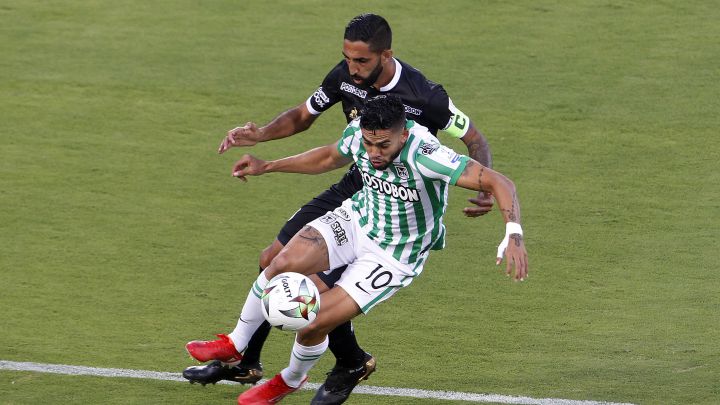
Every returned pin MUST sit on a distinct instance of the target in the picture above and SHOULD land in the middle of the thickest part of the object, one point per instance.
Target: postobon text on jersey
(400, 192)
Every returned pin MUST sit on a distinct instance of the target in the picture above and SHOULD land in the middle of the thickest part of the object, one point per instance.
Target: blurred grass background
(123, 235)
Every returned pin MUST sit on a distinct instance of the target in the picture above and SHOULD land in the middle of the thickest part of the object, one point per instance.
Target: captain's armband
(459, 123)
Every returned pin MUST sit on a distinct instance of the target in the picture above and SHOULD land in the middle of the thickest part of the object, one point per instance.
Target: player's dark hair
(383, 112)
(371, 29)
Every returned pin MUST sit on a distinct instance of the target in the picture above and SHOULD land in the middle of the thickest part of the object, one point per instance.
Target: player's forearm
(314, 161)
(503, 189)
(480, 178)
(288, 123)
(478, 147)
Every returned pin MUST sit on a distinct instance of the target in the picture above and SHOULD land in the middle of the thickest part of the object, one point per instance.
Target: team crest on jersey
(402, 171)
(429, 148)
(353, 113)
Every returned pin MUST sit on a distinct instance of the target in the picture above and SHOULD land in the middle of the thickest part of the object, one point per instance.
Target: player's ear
(386, 55)
(405, 135)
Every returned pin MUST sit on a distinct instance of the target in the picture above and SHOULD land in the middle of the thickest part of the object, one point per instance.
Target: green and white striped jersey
(401, 208)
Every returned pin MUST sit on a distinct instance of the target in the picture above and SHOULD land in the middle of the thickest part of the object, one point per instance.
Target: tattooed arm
(479, 150)
(480, 178)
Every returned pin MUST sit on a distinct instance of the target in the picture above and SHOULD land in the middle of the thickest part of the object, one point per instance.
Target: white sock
(302, 359)
(251, 316)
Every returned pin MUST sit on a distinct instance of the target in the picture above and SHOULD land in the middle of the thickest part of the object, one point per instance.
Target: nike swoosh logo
(358, 286)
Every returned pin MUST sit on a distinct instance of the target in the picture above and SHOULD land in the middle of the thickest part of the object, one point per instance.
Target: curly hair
(383, 112)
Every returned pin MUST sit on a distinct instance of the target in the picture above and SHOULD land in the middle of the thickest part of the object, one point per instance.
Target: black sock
(344, 346)
(251, 355)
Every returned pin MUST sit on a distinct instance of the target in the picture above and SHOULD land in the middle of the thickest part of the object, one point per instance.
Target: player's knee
(268, 254)
(282, 262)
(312, 333)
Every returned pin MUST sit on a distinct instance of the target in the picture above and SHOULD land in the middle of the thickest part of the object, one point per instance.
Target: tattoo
(311, 235)
(479, 150)
(512, 213)
(482, 168)
(517, 238)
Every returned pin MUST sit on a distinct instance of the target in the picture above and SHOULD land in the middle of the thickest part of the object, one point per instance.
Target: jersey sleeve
(436, 161)
(444, 113)
(437, 107)
(348, 144)
(327, 94)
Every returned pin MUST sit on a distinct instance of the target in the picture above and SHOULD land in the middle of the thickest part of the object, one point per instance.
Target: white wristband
(513, 227)
(510, 228)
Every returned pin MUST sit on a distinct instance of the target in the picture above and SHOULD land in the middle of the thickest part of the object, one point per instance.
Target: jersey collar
(395, 79)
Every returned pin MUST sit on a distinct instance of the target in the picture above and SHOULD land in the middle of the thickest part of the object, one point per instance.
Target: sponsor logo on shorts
(396, 191)
(429, 148)
(320, 97)
(412, 110)
(328, 218)
(349, 88)
(341, 213)
(339, 232)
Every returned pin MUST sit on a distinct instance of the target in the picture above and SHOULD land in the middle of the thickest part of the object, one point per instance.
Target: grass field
(123, 235)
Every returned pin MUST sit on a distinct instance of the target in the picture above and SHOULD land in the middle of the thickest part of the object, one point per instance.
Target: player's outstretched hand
(484, 203)
(513, 247)
(248, 165)
(246, 135)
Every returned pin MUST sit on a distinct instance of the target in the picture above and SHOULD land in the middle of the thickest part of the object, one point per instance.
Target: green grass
(123, 235)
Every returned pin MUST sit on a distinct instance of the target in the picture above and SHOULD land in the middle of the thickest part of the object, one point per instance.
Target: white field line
(361, 389)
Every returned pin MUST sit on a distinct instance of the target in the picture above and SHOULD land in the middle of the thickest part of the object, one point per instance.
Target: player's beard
(372, 77)
(386, 165)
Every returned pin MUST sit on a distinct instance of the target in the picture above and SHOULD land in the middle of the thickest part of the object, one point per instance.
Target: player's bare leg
(269, 253)
(352, 362)
(306, 253)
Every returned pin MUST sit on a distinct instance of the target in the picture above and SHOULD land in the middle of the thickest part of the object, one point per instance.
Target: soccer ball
(290, 301)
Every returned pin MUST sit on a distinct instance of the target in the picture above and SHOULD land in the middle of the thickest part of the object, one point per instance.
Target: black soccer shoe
(341, 381)
(216, 371)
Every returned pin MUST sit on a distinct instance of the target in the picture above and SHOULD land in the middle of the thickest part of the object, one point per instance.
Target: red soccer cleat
(271, 392)
(222, 349)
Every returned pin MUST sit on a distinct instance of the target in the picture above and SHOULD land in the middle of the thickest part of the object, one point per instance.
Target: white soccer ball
(290, 301)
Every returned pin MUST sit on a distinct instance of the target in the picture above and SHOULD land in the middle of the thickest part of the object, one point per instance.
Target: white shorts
(372, 275)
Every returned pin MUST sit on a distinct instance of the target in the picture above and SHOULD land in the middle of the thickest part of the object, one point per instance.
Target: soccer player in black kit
(368, 69)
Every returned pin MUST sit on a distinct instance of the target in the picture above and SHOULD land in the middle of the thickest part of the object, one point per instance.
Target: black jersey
(426, 102)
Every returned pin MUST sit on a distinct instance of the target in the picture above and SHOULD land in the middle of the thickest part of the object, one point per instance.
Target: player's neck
(387, 74)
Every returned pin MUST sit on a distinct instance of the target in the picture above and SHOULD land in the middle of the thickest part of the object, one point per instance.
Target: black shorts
(328, 200)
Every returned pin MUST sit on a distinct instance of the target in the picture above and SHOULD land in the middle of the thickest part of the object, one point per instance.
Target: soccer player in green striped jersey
(384, 233)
